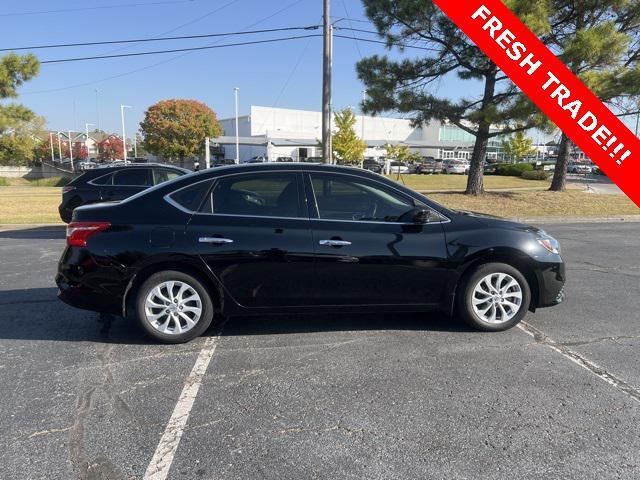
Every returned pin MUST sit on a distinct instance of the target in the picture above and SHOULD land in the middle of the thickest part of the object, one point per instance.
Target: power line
(101, 7)
(191, 49)
(161, 62)
(159, 39)
(382, 42)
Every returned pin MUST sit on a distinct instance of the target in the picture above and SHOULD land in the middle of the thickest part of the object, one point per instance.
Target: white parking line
(160, 464)
(580, 360)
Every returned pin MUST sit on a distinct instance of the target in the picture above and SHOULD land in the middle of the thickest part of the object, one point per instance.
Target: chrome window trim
(168, 199)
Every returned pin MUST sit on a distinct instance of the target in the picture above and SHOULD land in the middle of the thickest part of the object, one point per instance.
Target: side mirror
(421, 215)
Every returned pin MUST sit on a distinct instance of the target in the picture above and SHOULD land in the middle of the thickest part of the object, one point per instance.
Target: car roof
(101, 171)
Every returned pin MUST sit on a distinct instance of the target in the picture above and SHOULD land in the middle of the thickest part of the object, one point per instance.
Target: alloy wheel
(497, 298)
(173, 307)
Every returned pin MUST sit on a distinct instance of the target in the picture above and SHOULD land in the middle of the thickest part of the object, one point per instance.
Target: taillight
(79, 232)
(68, 189)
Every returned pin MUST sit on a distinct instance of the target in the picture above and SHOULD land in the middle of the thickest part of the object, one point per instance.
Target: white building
(282, 132)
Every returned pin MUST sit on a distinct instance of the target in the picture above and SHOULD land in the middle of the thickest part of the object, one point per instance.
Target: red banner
(559, 93)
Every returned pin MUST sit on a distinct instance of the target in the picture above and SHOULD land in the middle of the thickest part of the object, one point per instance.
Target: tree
(598, 41)
(177, 128)
(403, 85)
(347, 146)
(18, 124)
(401, 153)
(110, 148)
(518, 146)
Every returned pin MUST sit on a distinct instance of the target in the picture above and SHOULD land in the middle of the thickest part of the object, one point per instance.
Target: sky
(286, 74)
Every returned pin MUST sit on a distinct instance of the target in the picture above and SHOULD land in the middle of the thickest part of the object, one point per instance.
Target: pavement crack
(579, 359)
(579, 343)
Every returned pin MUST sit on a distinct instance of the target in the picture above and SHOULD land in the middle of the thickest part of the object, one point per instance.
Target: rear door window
(132, 177)
(257, 194)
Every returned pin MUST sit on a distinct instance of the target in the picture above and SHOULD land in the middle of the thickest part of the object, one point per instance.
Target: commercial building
(287, 133)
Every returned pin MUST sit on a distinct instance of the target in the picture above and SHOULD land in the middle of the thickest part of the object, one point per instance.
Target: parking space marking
(160, 464)
(580, 360)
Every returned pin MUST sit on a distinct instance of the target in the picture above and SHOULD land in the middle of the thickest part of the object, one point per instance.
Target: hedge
(513, 169)
(536, 175)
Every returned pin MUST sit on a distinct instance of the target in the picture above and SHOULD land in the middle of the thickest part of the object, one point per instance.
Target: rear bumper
(551, 282)
(65, 213)
(88, 284)
(82, 297)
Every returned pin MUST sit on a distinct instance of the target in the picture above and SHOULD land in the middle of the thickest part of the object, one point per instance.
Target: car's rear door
(254, 234)
(126, 182)
(364, 255)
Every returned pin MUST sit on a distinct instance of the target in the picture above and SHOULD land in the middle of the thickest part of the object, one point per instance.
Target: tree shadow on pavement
(52, 232)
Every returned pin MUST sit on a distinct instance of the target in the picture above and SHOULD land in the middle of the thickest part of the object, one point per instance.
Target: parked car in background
(174, 255)
(87, 165)
(582, 168)
(399, 167)
(372, 165)
(284, 159)
(489, 168)
(258, 159)
(456, 166)
(311, 160)
(221, 162)
(107, 184)
(429, 165)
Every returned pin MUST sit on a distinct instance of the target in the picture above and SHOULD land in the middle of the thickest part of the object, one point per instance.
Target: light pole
(71, 152)
(53, 157)
(327, 29)
(59, 147)
(124, 136)
(236, 90)
(97, 108)
(86, 138)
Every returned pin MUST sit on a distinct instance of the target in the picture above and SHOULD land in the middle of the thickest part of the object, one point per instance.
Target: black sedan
(113, 183)
(282, 238)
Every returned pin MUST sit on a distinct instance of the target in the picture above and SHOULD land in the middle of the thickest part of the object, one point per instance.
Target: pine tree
(404, 85)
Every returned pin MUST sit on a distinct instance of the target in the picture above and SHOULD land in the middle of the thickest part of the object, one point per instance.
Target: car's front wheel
(174, 307)
(495, 297)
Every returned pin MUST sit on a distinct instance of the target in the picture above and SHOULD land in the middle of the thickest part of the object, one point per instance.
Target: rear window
(103, 180)
(161, 175)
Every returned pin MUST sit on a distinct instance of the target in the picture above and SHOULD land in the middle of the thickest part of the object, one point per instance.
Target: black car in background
(113, 183)
(283, 238)
(372, 165)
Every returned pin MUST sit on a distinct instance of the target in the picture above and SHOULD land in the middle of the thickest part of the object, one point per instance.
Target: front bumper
(551, 282)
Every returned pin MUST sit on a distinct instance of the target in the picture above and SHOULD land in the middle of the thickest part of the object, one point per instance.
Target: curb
(24, 226)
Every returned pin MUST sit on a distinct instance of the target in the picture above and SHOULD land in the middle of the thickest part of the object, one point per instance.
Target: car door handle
(215, 240)
(334, 243)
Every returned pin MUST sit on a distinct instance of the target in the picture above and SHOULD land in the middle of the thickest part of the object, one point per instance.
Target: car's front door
(364, 254)
(125, 183)
(254, 234)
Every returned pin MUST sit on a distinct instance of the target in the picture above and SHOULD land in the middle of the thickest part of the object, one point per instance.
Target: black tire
(159, 278)
(465, 295)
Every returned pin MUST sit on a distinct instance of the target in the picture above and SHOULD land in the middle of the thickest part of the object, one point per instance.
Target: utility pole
(124, 136)
(327, 30)
(135, 145)
(236, 90)
(59, 147)
(53, 157)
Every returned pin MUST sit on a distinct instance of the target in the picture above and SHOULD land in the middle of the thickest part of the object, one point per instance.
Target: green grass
(25, 204)
(440, 183)
(33, 182)
(525, 204)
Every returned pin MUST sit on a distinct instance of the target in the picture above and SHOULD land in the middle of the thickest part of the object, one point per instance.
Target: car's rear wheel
(174, 307)
(495, 297)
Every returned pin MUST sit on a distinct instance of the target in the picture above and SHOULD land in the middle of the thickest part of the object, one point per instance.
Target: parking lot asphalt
(358, 396)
